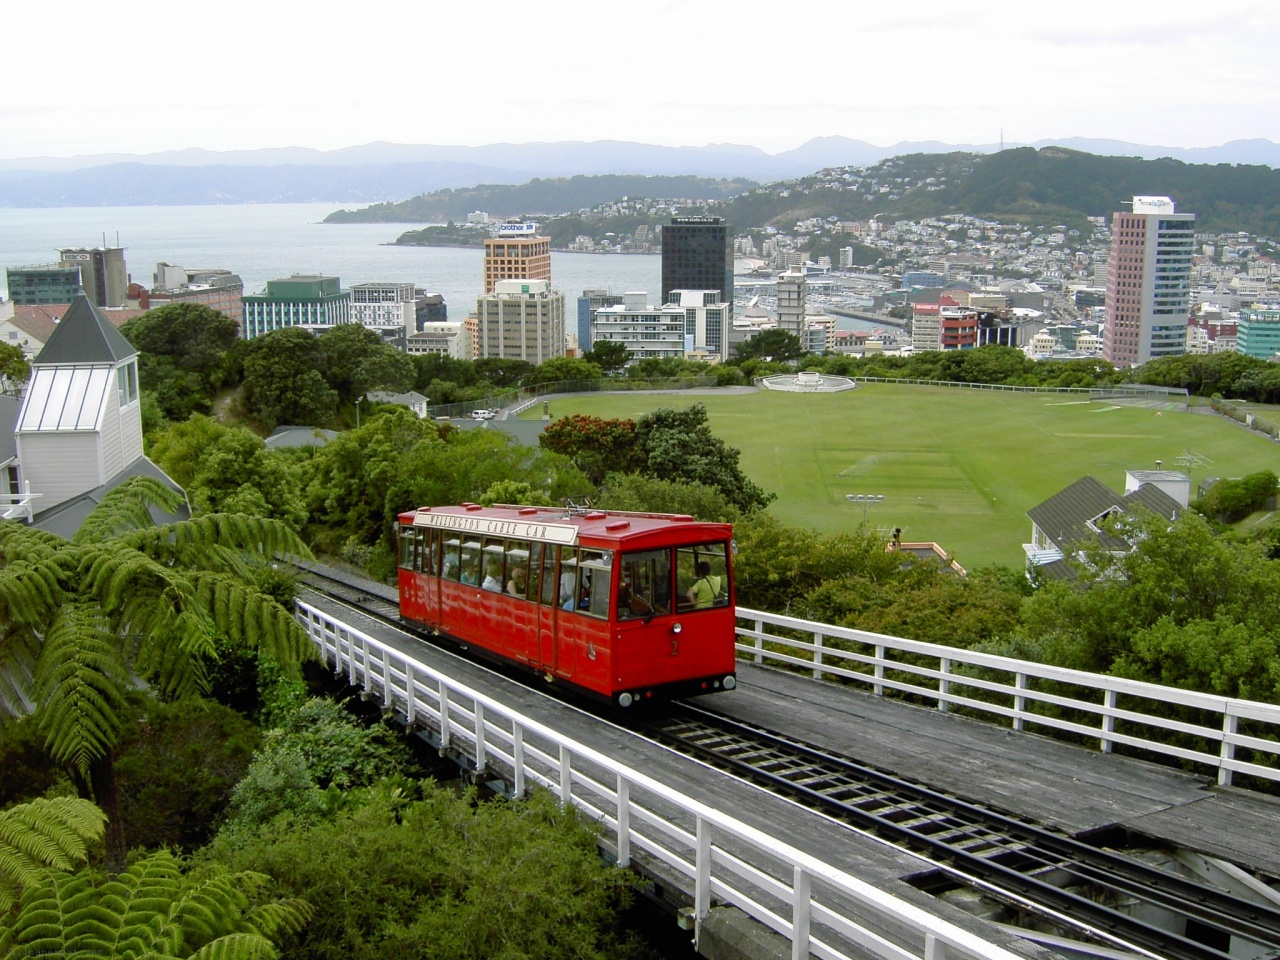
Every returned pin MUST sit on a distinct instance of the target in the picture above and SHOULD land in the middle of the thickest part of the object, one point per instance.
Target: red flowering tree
(597, 446)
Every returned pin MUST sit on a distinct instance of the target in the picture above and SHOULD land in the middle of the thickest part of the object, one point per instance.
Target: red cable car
(622, 606)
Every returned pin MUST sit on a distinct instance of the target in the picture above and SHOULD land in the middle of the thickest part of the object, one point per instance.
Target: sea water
(269, 241)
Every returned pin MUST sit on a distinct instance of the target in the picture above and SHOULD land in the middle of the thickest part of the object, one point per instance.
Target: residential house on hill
(78, 430)
(1072, 519)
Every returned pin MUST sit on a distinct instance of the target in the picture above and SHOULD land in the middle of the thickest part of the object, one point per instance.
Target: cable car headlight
(676, 628)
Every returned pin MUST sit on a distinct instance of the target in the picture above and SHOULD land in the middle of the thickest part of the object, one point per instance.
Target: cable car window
(567, 584)
(644, 584)
(449, 556)
(491, 559)
(471, 562)
(517, 582)
(536, 553)
(595, 581)
(702, 577)
(407, 535)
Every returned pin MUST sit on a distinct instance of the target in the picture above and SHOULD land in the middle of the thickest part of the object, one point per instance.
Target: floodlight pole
(865, 500)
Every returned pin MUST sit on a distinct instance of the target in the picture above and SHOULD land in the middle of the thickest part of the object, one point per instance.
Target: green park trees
(183, 355)
(674, 445)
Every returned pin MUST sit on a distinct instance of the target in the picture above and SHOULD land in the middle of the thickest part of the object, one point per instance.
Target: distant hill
(539, 198)
(1047, 186)
(380, 172)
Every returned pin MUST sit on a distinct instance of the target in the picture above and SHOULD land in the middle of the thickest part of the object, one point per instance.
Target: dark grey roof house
(78, 431)
(1072, 519)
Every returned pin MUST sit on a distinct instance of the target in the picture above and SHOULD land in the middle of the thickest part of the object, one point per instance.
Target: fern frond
(249, 616)
(282, 918)
(41, 834)
(127, 508)
(31, 590)
(19, 652)
(259, 535)
(237, 946)
(78, 683)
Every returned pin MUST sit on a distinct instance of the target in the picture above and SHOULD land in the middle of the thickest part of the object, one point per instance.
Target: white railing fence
(822, 910)
(1227, 735)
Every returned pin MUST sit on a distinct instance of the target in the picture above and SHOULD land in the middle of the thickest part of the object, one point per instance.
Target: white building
(707, 323)
(520, 320)
(446, 339)
(792, 300)
(388, 308)
(78, 430)
(645, 330)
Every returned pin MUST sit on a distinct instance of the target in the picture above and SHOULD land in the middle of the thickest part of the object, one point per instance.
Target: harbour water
(262, 242)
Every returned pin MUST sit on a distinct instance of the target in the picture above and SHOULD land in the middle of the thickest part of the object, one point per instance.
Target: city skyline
(148, 77)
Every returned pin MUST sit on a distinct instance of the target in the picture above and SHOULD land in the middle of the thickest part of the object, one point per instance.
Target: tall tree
(283, 382)
(123, 602)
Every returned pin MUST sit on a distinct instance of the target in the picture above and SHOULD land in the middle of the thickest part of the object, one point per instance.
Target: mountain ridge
(389, 172)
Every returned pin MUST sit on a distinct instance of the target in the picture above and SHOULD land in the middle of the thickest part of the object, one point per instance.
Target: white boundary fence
(822, 910)
(1111, 710)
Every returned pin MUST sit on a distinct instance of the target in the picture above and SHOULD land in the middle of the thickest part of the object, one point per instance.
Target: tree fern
(43, 833)
(127, 507)
(78, 687)
(153, 909)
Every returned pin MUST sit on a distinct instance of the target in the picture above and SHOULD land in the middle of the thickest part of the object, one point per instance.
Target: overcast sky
(140, 76)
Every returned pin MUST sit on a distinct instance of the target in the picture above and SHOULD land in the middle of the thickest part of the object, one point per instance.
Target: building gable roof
(85, 336)
(1068, 518)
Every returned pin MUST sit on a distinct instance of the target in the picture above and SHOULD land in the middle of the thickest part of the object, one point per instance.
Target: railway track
(1107, 896)
(1042, 876)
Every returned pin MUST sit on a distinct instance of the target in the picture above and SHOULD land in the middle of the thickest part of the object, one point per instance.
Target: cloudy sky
(140, 76)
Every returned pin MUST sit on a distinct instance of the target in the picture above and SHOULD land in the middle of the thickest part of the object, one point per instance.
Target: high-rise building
(216, 289)
(1258, 334)
(388, 309)
(43, 283)
(708, 323)
(520, 320)
(313, 302)
(1148, 301)
(793, 289)
(103, 274)
(697, 254)
(516, 253)
(588, 304)
(645, 330)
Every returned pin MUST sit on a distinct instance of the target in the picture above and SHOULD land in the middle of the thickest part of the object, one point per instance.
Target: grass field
(959, 467)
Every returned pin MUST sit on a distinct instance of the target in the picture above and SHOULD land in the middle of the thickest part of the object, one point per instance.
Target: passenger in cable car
(492, 576)
(470, 572)
(516, 586)
(702, 594)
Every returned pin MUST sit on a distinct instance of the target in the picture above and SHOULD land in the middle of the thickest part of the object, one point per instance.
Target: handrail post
(481, 758)
(386, 679)
(1109, 701)
(759, 641)
(817, 654)
(879, 685)
(445, 723)
(624, 821)
(944, 683)
(934, 949)
(410, 693)
(517, 760)
(566, 775)
(702, 864)
(801, 913)
(1230, 724)
(1019, 701)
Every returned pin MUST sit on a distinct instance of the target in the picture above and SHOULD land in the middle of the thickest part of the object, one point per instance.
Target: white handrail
(951, 676)
(824, 911)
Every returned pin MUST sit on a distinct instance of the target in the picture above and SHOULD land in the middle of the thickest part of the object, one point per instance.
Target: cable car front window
(644, 584)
